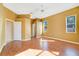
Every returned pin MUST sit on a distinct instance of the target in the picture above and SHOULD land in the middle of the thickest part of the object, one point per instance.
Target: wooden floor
(55, 47)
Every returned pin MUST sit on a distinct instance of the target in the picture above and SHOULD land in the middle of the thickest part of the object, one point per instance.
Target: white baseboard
(2, 47)
(61, 39)
(27, 39)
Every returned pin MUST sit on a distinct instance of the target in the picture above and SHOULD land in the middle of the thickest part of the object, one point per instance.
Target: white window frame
(75, 24)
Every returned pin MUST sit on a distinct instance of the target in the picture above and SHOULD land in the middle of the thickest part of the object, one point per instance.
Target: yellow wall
(56, 27)
(1, 17)
(4, 14)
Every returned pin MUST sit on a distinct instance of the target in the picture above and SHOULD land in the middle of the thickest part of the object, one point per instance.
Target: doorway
(8, 31)
(39, 29)
(17, 31)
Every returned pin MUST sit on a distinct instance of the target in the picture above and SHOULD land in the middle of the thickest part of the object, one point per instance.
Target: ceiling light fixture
(42, 10)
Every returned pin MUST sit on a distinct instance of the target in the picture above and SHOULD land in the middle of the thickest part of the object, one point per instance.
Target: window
(45, 25)
(71, 24)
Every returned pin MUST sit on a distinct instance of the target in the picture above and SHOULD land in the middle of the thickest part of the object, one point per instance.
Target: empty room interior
(39, 29)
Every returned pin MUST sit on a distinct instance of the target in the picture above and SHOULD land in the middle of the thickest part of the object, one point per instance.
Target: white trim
(61, 39)
(75, 24)
(7, 19)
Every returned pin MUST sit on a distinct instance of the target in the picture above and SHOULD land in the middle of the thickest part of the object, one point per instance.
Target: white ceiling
(35, 8)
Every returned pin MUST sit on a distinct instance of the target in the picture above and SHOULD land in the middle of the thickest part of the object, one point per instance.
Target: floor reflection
(70, 52)
(44, 44)
(35, 52)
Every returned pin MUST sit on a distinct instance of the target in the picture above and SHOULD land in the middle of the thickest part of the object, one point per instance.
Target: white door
(39, 29)
(17, 31)
(8, 31)
(33, 30)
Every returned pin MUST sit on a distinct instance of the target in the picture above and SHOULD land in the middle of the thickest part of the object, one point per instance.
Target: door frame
(14, 30)
(11, 21)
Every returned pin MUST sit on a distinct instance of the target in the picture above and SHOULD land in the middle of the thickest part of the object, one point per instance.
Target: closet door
(8, 31)
(0, 30)
(17, 31)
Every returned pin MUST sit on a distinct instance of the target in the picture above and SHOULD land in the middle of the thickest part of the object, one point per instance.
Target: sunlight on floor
(46, 53)
(43, 39)
(55, 53)
(30, 52)
(44, 43)
(35, 52)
